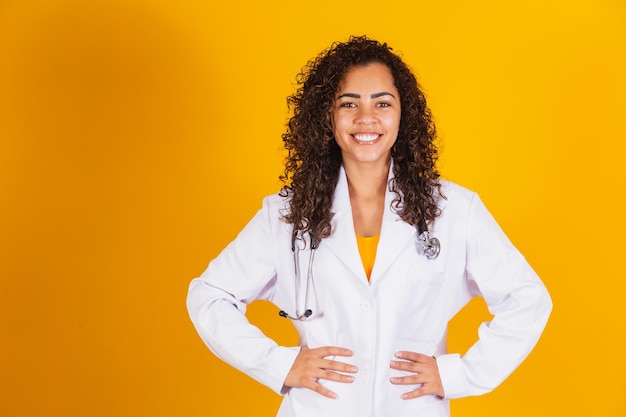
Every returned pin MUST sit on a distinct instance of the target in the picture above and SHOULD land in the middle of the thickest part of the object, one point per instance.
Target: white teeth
(366, 138)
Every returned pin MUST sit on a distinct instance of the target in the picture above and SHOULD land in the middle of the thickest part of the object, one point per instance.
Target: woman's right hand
(310, 366)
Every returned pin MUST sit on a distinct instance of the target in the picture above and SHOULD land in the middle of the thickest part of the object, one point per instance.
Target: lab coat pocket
(423, 306)
(425, 286)
(425, 272)
(426, 278)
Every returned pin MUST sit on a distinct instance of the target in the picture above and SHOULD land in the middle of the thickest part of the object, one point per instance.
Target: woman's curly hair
(313, 157)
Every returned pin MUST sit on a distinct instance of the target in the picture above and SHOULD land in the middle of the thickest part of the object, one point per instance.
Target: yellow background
(138, 137)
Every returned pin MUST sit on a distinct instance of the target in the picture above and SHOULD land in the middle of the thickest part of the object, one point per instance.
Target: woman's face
(366, 114)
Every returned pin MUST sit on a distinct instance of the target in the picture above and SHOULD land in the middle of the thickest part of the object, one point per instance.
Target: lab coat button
(365, 306)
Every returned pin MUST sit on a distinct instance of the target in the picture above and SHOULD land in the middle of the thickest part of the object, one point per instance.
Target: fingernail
(353, 369)
(394, 380)
(350, 379)
(399, 354)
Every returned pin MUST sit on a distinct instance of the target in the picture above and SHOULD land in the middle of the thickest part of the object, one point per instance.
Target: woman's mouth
(366, 138)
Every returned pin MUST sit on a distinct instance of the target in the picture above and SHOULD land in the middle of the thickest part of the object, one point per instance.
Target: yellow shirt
(367, 249)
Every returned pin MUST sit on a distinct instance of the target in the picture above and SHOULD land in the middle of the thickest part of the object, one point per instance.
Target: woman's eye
(383, 104)
(347, 105)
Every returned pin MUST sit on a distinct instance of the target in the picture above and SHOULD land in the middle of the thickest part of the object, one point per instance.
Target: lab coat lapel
(395, 235)
(342, 241)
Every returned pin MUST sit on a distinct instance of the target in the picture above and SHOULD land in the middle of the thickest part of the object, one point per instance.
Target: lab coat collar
(394, 236)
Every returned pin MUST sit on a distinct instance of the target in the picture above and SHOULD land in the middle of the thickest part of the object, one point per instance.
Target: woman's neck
(367, 186)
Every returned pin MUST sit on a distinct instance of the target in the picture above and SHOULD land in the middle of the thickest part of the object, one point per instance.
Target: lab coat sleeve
(515, 296)
(216, 302)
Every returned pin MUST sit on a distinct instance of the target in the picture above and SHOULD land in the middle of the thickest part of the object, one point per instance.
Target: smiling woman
(371, 312)
(137, 138)
(366, 116)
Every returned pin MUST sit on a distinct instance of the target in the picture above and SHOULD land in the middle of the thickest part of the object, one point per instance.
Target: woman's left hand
(426, 373)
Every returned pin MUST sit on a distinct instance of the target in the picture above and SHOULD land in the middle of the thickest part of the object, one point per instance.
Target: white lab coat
(405, 306)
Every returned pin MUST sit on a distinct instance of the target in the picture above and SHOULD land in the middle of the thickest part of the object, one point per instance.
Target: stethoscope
(427, 245)
(297, 240)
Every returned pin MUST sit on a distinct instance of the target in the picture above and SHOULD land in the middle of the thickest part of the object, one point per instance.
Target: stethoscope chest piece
(428, 246)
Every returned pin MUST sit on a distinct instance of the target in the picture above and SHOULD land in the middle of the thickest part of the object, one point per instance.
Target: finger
(324, 391)
(338, 366)
(420, 392)
(414, 356)
(425, 372)
(337, 377)
(314, 373)
(402, 366)
(411, 380)
(429, 385)
(325, 351)
(411, 366)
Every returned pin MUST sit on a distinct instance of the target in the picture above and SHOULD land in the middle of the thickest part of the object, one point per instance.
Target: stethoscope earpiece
(301, 317)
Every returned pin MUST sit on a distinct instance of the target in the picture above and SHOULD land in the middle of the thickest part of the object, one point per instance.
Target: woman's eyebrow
(375, 95)
(384, 93)
(351, 95)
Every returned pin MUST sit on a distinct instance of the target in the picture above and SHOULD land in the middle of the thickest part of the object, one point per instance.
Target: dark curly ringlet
(314, 158)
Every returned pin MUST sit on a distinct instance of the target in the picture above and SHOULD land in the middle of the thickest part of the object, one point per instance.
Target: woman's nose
(365, 115)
